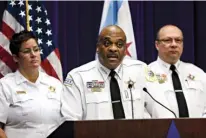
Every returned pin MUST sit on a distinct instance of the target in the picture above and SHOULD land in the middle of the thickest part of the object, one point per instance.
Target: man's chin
(113, 65)
(173, 60)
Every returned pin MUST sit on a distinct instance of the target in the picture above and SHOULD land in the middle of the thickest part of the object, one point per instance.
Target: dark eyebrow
(105, 38)
(121, 40)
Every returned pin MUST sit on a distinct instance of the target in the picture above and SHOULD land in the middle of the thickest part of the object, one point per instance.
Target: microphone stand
(132, 106)
(145, 90)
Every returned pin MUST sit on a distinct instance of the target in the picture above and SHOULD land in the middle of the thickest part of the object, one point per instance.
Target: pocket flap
(21, 98)
(194, 85)
(97, 97)
(136, 95)
(54, 96)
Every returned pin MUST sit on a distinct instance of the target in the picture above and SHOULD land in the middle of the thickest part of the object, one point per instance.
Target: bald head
(111, 46)
(167, 27)
(112, 30)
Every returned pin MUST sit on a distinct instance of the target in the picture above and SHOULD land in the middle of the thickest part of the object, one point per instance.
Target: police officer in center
(178, 85)
(100, 89)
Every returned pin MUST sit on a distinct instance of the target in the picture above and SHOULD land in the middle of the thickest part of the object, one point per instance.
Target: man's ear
(97, 50)
(157, 45)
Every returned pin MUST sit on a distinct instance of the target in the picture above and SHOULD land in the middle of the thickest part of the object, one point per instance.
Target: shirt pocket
(96, 98)
(22, 104)
(137, 99)
(195, 93)
(54, 101)
(133, 95)
(98, 105)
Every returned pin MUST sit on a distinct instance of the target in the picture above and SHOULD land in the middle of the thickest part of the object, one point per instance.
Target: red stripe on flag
(7, 31)
(57, 53)
(1, 76)
(48, 68)
(7, 59)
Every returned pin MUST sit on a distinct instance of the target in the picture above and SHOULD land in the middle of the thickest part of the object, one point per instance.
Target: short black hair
(17, 40)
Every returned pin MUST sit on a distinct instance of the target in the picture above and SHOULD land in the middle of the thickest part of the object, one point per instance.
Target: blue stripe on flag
(112, 14)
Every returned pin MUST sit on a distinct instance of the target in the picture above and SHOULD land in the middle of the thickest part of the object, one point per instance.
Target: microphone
(145, 89)
(130, 86)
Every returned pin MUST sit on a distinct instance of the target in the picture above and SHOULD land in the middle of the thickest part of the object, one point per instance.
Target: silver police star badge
(130, 83)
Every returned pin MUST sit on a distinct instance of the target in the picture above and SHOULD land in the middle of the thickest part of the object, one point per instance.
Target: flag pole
(27, 16)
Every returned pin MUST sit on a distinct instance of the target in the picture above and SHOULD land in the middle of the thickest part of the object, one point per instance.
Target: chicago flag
(118, 13)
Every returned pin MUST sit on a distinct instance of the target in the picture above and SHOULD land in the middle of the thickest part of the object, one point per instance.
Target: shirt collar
(105, 71)
(19, 78)
(166, 66)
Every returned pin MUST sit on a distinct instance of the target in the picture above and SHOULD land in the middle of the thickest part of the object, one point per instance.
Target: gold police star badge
(52, 89)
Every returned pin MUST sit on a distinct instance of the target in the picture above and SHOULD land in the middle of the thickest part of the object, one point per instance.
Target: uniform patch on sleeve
(68, 81)
(150, 76)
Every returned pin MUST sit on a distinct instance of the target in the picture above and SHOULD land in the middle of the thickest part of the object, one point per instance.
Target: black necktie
(118, 110)
(183, 110)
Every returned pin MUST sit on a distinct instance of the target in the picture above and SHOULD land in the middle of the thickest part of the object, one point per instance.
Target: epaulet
(88, 66)
(131, 62)
(7, 77)
(84, 67)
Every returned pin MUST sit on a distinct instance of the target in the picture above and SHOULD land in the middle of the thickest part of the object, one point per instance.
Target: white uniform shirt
(30, 110)
(193, 81)
(88, 90)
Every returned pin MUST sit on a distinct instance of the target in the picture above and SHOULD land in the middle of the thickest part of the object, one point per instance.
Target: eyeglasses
(168, 41)
(30, 50)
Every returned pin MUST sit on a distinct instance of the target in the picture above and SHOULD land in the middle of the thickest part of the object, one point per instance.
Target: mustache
(112, 55)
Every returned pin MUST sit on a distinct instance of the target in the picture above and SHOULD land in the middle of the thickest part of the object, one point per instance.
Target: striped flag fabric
(118, 13)
(14, 21)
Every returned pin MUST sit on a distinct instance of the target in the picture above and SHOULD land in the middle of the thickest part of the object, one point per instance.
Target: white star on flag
(47, 22)
(38, 9)
(22, 13)
(39, 30)
(30, 28)
(30, 7)
(30, 18)
(38, 20)
(12, 3)
(39, 41)
(21, 3)
(45, 12)
(41, 51)
(49, 43)
(48, 32)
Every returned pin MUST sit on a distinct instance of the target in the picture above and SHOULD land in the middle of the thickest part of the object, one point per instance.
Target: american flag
(14, 20)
